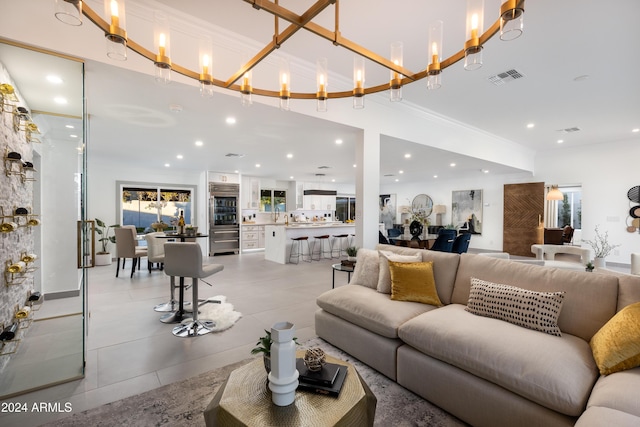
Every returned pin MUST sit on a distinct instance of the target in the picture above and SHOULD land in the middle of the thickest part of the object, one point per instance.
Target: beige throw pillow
(366, 269)
(384, 278)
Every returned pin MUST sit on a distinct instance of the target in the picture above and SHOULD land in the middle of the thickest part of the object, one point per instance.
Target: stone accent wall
(14, 193)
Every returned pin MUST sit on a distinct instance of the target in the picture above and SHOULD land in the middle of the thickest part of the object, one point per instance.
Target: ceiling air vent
(324, 167)
(569, 130)
(505, 77)
(234, 155)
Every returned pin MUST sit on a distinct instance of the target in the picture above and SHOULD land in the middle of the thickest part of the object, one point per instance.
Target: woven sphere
(314, 359)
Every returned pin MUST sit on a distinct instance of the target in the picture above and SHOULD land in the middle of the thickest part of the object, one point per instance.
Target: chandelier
(509, 24)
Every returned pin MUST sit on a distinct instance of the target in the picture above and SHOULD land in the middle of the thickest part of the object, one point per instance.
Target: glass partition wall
(45, 244)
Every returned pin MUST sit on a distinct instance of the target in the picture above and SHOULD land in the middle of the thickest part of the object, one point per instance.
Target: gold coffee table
(245, 400)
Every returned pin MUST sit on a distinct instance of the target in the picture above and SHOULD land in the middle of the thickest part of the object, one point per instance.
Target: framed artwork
(466, 211)
(388, 210)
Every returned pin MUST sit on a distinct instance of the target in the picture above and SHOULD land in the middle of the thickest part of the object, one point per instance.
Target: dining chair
(126, 248)
(461, 244)
(444, 241)
(155, 249)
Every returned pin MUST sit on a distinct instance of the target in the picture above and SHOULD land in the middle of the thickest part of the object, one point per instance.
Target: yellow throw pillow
(616, 346)
(413, 281)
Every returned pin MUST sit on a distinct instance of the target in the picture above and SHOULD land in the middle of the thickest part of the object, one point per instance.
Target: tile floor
(130, 351)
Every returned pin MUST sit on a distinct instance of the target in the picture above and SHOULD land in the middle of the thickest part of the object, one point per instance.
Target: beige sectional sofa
(486, 371)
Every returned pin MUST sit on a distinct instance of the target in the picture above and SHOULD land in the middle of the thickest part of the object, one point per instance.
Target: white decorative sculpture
(283, 378)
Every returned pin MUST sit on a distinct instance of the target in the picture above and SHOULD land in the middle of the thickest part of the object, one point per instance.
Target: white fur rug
(222, 314)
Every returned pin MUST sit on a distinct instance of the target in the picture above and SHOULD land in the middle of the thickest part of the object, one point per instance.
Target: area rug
(223, 314)
(182, 404)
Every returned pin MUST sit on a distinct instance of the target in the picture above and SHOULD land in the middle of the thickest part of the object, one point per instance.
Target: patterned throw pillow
(530, 309)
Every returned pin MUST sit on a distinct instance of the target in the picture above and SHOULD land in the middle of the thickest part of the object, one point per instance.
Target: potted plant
(264, 346)
(103, 257)
(589, 267)
(352, 252)
(601, 248)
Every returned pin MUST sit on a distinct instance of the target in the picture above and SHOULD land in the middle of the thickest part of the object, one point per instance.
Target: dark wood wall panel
(523, 210)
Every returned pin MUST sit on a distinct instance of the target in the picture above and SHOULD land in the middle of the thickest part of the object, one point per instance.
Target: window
(570, 208)
(142, 206)
(345, 208)
(273, 201)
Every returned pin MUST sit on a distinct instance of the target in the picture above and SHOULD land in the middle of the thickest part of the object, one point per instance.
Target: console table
(552, 250)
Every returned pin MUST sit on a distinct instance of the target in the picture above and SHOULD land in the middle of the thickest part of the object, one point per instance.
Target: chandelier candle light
(509, 24)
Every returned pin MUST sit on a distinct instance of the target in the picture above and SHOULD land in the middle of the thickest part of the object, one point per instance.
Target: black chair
(444, 242)
(461, 244)
(391, 233)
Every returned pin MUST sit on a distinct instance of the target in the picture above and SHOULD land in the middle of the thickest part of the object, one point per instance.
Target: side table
(245, 400)
(339, 267)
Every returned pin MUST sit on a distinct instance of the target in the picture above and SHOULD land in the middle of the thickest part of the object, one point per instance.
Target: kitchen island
(278, 237)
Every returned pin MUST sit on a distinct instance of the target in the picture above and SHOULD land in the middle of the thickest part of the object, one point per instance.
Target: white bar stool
(184, 259)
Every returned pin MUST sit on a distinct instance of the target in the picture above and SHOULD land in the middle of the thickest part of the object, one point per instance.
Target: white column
(367, 189)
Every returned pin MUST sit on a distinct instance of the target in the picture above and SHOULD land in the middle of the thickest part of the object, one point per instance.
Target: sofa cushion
(533, 310)
(445, 267)
(384, 276)
(365, 272)
(597, 416)
(590, 300)
(555, 372)
(618, 391)
(369, 309)
(413, 281)
(616, 346)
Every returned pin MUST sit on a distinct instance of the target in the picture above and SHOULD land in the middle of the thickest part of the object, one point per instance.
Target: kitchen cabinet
(250, 193)
(252, 237)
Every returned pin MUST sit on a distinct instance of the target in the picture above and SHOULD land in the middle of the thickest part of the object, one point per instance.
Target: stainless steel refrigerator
(224, 227)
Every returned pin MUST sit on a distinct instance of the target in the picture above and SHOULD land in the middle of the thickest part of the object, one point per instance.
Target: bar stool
(323, 241)
(352, 238)
(340, 239)
(297, 242)
(184, 259)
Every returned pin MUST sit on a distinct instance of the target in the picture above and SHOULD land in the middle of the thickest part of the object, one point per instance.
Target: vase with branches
(601, 246)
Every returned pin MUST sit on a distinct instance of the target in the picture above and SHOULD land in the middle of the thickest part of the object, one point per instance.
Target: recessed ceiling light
(333, 180)
(289, 156)
(530, 125)
(166, 165)
(453, 165)
(199, 143)
(257, 165)
(73, 136)
(407, 156)
(231, 120)
(485, 170)
(179, 156)
(397, 180)
(636, 130)
(236, 171)
(56, 80)
(581, 78)
(400, 171)
(60, 100)
(338, 141)
(69, 126)
(354, 165)
(560, 141)
(435, 176)
(291, 177)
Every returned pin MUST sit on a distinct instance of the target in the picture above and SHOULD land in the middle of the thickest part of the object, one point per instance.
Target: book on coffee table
(329, 390)
(325, 376)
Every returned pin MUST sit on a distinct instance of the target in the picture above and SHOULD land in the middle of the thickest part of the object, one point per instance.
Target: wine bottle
(9, 332)
(181, 223)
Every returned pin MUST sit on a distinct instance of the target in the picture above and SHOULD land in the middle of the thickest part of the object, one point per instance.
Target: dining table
(422, 242)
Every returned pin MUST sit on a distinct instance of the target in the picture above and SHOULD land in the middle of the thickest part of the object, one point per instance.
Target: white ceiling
(131, 121)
